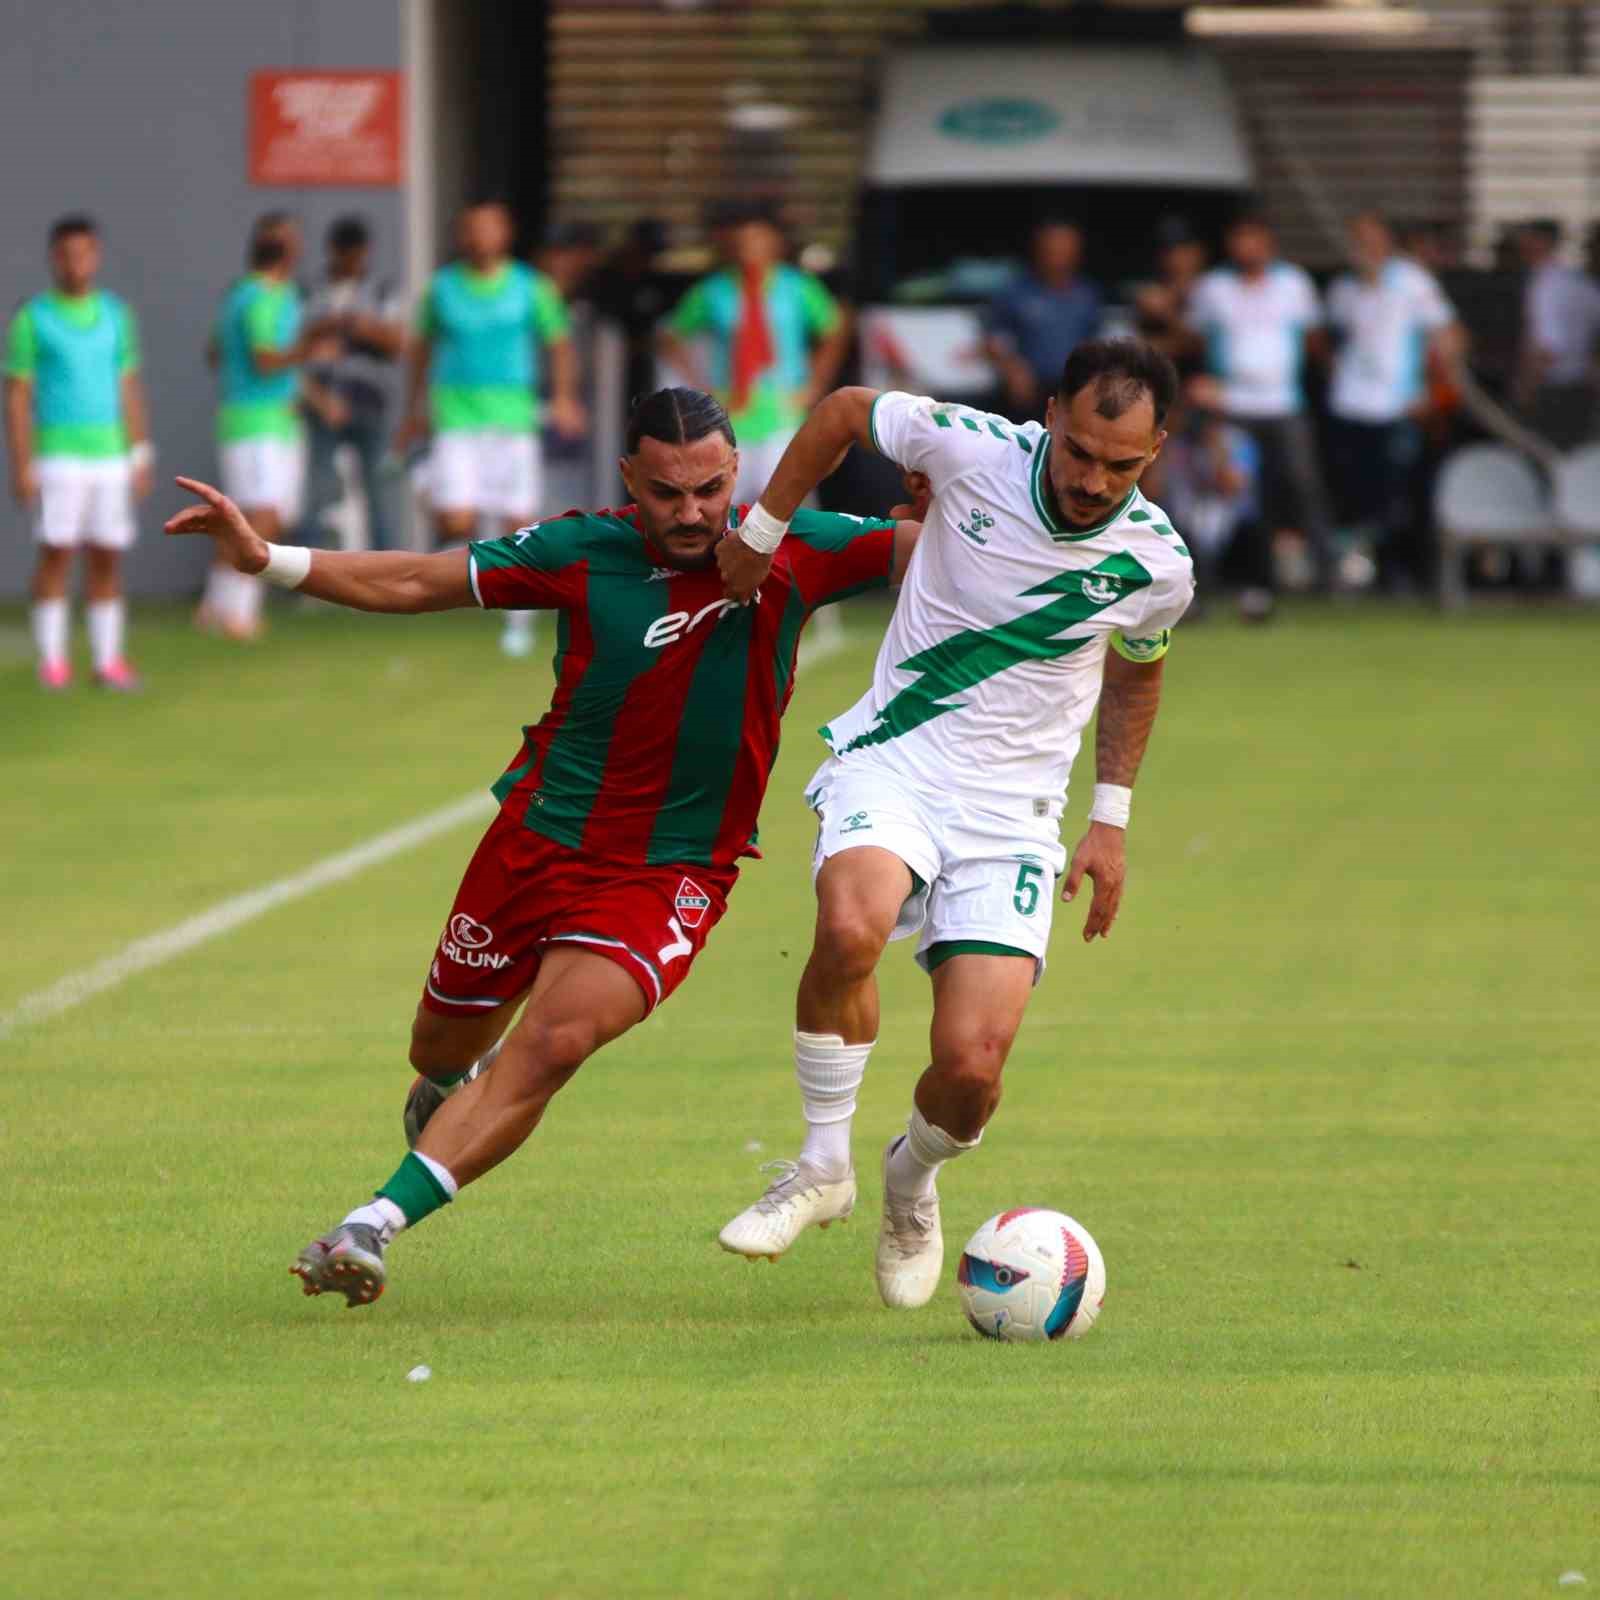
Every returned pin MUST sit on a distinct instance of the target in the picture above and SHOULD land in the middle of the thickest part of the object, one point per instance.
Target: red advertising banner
(326, 128)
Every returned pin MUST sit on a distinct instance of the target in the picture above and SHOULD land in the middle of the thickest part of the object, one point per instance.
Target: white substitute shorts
(757, 463)
(987, 877)
(84, 501)
(265, 475)
(494, 474)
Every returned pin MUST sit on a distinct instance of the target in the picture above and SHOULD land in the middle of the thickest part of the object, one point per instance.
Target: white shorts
(987, 877)
(757, 463)
(84, 501)
(265, 475)
(494, 474)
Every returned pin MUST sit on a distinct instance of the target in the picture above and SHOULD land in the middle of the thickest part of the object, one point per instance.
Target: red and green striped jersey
(664, 727)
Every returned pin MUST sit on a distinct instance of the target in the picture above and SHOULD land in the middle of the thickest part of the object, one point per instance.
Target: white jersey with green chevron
(991, 665)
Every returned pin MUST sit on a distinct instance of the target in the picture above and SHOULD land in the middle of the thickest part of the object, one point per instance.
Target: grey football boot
(425, 1097)
(347, 1261)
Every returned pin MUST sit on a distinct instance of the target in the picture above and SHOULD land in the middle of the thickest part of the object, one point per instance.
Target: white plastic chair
(1488, 494)
(1577, 504)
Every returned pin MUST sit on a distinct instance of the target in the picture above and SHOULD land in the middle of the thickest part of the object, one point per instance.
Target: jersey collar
(1045, 508)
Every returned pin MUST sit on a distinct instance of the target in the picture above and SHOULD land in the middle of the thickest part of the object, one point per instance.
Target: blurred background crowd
(1365, 233)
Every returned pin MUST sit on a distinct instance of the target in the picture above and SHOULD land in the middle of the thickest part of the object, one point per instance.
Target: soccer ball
(1031, 1274)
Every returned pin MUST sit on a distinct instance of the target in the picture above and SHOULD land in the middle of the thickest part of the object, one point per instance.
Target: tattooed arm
(1129, 698)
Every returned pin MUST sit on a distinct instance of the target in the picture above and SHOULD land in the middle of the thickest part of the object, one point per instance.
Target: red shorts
(522, 893)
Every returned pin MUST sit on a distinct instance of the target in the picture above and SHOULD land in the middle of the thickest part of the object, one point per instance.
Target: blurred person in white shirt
(1260, 319)
(1392, 328)
(1560, 325)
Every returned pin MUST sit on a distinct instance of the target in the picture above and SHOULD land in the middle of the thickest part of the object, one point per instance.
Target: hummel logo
(855, 822)
(979, 519)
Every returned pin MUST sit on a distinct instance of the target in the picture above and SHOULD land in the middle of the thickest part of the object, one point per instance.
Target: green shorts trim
(938, 954)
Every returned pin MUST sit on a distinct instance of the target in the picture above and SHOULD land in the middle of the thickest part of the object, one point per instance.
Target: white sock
(245, 593)
(215, 598)
(106, 620)
(915, 1163)
(384, 1215)
(51, 620)
(829, 1073)
(442, 1173)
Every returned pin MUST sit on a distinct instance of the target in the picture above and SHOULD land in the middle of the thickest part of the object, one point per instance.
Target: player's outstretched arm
(844, 418)
(1129, 699)
(365, 580)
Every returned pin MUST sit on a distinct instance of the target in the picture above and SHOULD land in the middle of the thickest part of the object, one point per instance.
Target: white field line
(158, 948)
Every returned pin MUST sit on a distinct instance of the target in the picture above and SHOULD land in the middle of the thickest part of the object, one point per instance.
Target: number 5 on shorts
(679, 946)
(1026, 896)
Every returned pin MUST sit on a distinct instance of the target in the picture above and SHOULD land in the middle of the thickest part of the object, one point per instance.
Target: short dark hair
(1121, 370)
(677, 416)
(1251, 216)
(1547, 228)
(73, 222)
(267, 248)
(349, 233)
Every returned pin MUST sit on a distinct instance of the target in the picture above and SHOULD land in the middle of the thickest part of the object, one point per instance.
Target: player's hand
(410, 432)
(25, 483)
(1099, 856)
(237, 542)
(568, 416)
(743, 569)
(920, 491)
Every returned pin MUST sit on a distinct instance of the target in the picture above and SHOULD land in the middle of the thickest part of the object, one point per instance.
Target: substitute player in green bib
(258, 345)
(484, 323)
(628, 806)
(80, 456)
(773, 338)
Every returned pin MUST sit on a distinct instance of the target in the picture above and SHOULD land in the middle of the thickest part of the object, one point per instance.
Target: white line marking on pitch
(159, 948)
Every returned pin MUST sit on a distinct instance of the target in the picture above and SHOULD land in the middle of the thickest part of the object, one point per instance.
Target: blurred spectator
(1560, 322)
(258, 345)
(1432, 245)
(483, 322)
(1391, 322)
(1212, 473)
(80, 454)
(776, 340)
(360, 333)
(568, 256)
(1591, 251)
(629, 290)
(1259, 318)
(1032, 325)
(1162, 303)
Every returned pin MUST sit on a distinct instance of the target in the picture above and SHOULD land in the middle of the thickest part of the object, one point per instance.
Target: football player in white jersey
(1044, 583)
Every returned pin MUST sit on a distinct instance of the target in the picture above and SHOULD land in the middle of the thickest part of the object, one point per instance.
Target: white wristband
(762, 531)
(141, 455)
(1112, 803)
(288, 565)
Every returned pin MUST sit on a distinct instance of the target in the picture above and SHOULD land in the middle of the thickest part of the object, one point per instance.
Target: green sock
(446, 1080)
(415, 1190)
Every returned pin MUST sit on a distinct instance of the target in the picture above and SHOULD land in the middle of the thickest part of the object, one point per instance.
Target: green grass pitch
(1326, 1099)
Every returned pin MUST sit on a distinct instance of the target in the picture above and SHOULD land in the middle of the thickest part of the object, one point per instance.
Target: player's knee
(848, 943)
(437, 1044)
(553, 1051)
(970, 1068)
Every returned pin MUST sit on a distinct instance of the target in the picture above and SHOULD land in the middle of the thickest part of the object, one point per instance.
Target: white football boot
(798, 1197)
(910, 1244)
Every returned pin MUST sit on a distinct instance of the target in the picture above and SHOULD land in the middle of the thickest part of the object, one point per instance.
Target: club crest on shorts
(469, 933)
(691, 903)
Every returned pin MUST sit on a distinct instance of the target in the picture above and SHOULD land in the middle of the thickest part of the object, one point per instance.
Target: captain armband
(1148, 649)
